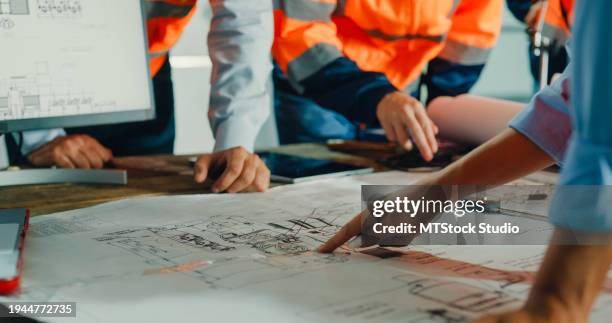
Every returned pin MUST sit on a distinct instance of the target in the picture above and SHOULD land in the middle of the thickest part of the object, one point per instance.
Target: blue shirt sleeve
(346, 89)
(519, 8)
(583, 200)
(546, 121)
(445, 78)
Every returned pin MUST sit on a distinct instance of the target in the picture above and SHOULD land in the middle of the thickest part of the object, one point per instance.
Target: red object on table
(9, 285)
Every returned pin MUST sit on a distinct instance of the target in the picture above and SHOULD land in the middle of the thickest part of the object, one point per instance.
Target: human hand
(370, 224)
(400, 114)
(363, 225)
(73, 151)
(346, 233)
(241, 171)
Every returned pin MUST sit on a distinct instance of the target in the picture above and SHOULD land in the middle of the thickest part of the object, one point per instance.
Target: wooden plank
(160, 175)
(147, 176)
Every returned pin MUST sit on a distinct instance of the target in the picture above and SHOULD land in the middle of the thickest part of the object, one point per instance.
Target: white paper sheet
(237, 258)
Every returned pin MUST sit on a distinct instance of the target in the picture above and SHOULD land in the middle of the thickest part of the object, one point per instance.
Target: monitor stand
(13, 176)
(59, 175)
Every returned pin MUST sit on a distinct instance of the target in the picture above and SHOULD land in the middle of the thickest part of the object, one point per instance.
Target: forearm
(571, 276)
(239, 45)
(506, 157)
(343, 87)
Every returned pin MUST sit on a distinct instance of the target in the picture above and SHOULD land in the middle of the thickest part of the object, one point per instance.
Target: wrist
(371, 101)
(34, 139)
(388, 104)
(388, 97)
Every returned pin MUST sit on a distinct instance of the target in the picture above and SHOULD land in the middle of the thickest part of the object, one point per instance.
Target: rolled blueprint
(471, 119)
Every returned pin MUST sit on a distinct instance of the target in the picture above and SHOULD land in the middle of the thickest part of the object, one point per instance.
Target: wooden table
(147, 176)
(154, 176)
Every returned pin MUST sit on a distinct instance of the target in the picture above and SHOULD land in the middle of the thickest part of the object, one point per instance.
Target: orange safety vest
(558, 20)
(395, 37)
(166, 20)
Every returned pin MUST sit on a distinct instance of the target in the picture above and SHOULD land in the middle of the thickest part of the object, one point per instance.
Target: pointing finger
(348, 231)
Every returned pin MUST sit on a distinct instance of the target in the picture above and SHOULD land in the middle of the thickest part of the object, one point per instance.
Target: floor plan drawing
(471, 299)
(431, 300)
(199, 253)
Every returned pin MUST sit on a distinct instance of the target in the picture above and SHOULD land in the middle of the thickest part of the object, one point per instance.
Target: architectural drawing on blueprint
(378, 309)
(209, 249)
(255, 251)
(419, 298)
(220, 234)
(459, 296)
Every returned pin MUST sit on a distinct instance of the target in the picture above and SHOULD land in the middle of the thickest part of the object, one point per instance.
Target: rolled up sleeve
(240, 41)
(546, 120)
(34, 139)
(583, 200)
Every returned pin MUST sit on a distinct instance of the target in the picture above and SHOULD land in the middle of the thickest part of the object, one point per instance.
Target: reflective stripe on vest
(306, 10)
(166, 20)
(397, 38)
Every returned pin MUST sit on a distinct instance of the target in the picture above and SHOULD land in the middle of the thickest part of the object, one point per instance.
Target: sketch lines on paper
(233, 245)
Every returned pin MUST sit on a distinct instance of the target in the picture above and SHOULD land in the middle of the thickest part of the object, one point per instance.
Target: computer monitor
(66, 63)
(72, 63)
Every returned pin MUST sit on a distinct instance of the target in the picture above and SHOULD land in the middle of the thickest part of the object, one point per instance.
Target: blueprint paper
(233, 258)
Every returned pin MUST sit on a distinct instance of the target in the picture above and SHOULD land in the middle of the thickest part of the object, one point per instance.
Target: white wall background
(191, 69)
(505, 76)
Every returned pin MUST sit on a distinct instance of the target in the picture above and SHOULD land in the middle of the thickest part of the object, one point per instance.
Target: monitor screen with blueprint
(72, 62)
